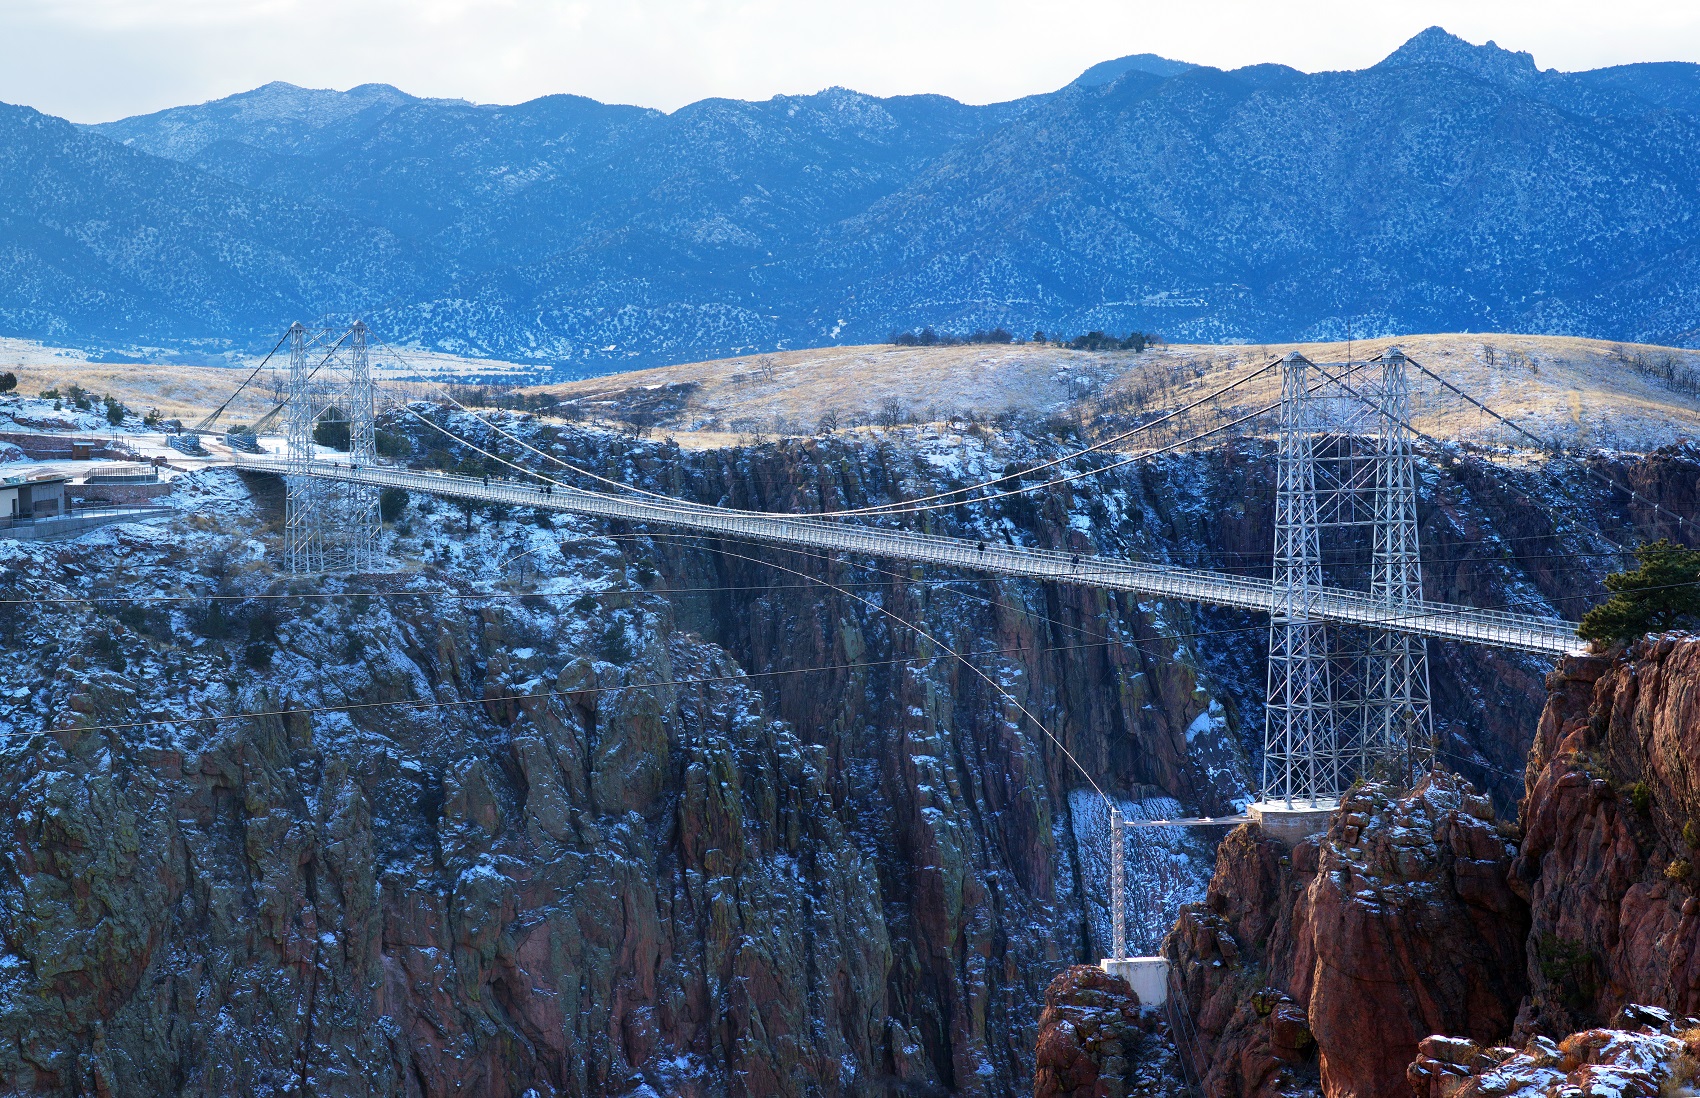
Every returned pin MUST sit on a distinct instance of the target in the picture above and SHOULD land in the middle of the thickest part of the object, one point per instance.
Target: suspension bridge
(1335, 709)
(1442, 621)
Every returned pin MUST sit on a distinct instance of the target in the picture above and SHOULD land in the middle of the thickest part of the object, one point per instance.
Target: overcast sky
(93, 60)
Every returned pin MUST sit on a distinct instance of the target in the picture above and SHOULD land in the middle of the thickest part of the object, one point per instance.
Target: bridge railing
(1433, 619)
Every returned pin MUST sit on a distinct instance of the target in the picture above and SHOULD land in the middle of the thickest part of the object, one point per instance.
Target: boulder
(1088, 1035)
(1645, 1053)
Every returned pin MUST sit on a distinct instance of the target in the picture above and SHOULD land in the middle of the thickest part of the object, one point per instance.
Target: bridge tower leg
(303, 529)
(1398, 732)
(360, 517)
(1303, 767)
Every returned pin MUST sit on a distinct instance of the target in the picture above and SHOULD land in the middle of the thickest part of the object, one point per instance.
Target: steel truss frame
(330, 525)
(1344, 702)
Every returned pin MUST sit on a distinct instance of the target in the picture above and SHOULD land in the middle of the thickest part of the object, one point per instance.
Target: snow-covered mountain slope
(1450, 187)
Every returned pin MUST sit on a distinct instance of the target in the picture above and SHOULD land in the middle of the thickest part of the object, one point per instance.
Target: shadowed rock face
(1395, 924)
(1610, 838)
(856, 881)
(577, 895)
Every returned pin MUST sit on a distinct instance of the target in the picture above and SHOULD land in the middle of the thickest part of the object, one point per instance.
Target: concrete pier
(1292, 824)
(1148, 976)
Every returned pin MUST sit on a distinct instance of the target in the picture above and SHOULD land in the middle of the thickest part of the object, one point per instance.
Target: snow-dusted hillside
(1572, 392)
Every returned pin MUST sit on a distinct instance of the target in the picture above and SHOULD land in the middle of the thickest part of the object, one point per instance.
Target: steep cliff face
(1509, 538)
(543, 878)
(1353, 946)
(1612, 822)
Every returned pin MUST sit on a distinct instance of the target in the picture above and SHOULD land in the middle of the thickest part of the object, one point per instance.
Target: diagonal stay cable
(907, 506)
(1549, 446)
(216, 412)
(1437, 443)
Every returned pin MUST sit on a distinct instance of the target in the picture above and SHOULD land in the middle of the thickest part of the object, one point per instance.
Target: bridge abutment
(1293, 823)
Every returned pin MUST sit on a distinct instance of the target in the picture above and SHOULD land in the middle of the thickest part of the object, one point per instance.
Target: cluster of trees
(334, 432)
(1099, 341)
(84, 401)
(926, 337)
(1662, 594)
(391, 503)
(8, 381)
(1677, 374)
(510, 398)
(1091, 341)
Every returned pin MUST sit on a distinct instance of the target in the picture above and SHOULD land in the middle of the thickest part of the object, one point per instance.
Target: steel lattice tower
(303, 536)
(330, 524)
(360, 505)
(1398, 727)
(1302, 760)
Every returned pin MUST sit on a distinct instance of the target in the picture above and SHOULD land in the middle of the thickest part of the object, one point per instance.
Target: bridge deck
(1444, 621)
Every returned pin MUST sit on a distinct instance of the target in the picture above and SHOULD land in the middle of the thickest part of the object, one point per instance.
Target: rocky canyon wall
(671, 819)
(1325, 964)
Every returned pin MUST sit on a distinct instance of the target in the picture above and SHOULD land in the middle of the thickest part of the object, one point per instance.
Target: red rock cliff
(1416, 915)
(1611, 824)
(1395, 924)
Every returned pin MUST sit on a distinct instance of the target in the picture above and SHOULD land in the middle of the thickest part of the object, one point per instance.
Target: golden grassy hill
(1571, 390)
(190, 392)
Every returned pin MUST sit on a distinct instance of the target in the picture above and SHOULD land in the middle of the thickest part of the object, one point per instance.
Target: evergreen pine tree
(1663, 593)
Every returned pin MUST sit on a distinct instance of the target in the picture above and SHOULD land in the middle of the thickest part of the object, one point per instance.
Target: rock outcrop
(1611, 827)
(1095, 1041)
(1325, 965)
(1645, 1053)
(1418, 923)
(1088, 1036)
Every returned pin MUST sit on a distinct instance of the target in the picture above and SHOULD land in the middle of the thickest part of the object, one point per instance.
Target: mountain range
(1448, 187)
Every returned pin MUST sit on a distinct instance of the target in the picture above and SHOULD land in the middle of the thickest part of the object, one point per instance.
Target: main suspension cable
(921, 503)
(901, 508)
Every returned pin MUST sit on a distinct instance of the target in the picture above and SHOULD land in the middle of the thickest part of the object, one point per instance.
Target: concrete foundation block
(1292, 824)
(1148, 976)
